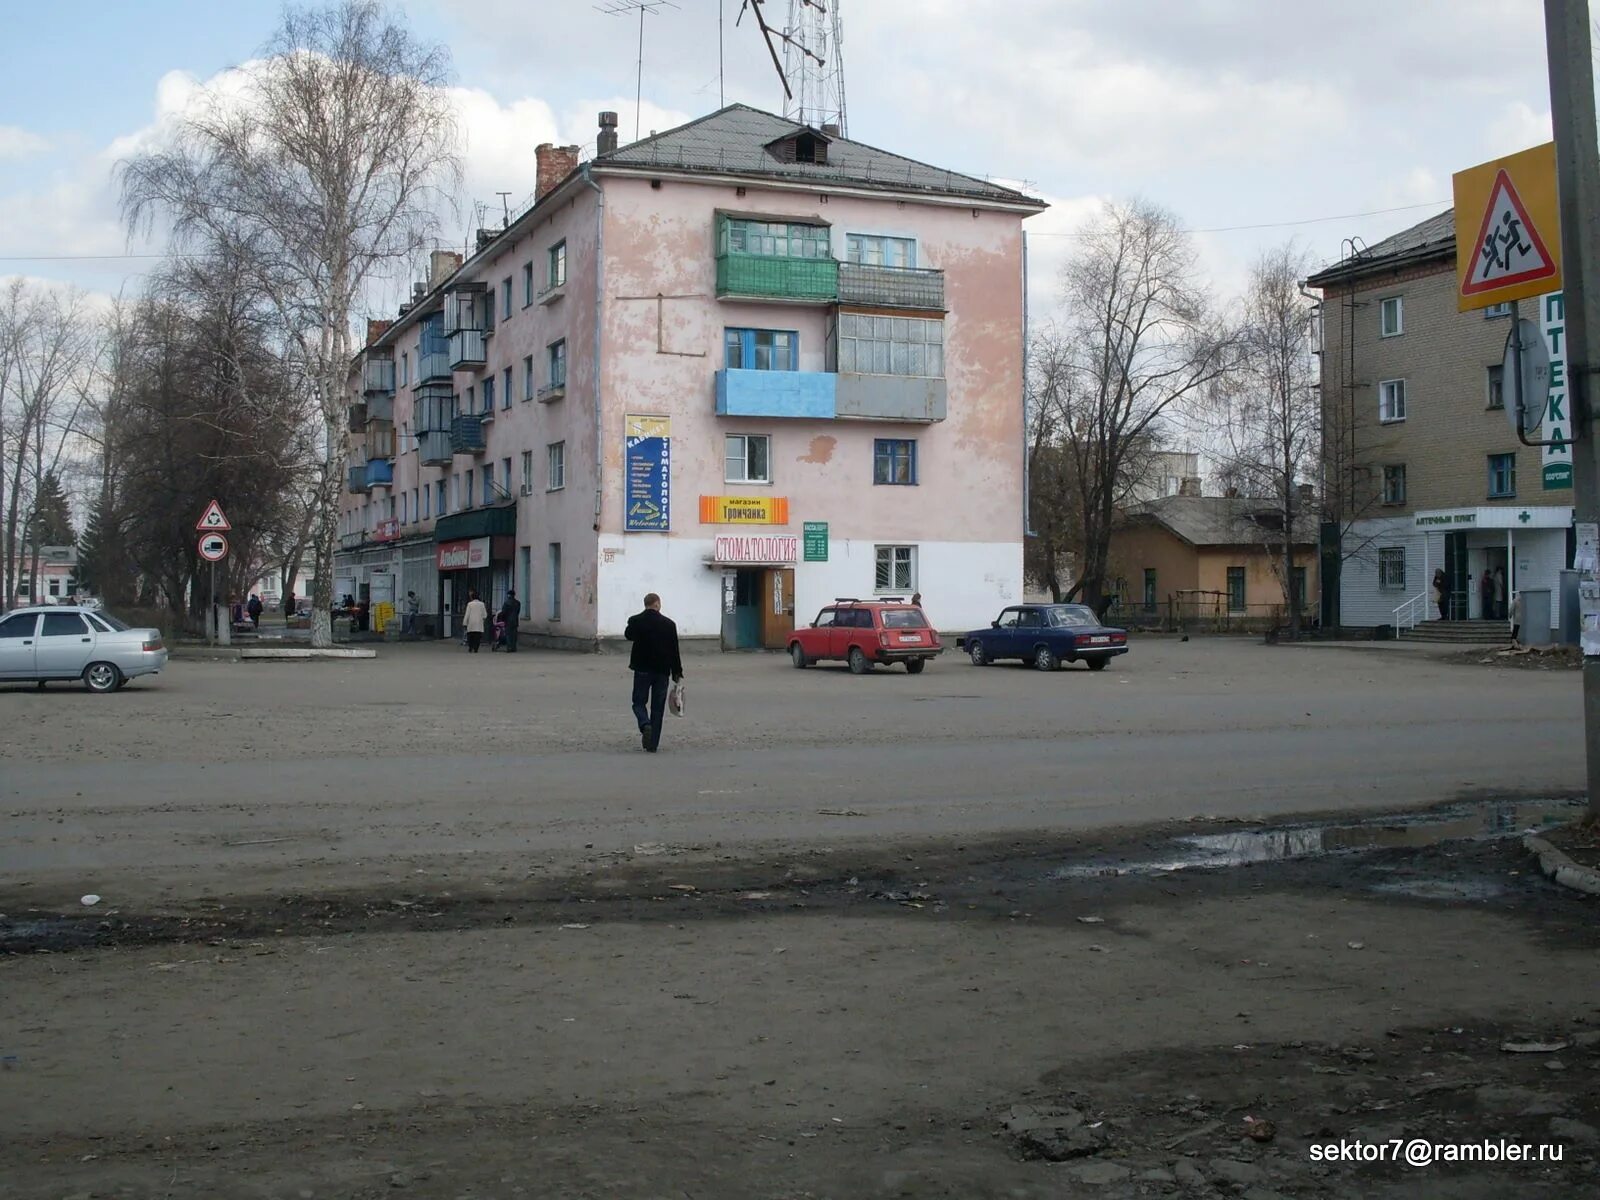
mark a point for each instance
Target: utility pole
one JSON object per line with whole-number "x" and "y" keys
{"x": 1572, "y": 111}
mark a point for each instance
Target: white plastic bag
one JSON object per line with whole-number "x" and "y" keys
{"x": 675, "y": 698}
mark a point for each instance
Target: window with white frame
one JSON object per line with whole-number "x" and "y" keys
{"x": 1495, "y": 379}
{"x": 556, "y": 269}
{"x": 747, "y": 458}
{"x": 557, "y": 355}
{"x": 896, "y": 569}
{"x": 505, "y": 476}
{"x": 527, "y": 284}
{"x": 505, "y": 298}
{"x": 875, "y": 251}
{"x": 1394, "y": 483}
{"x": 1392, "y": 400}
{"x": 527, "y": 472}
{"x": 861, "y": 343}
{"x": 1392, "y": 568}
{"x": 488, "y": 485}
{"x": 528, "y": 386}
{"x": 557, "y": 456}
{"x": 466, "y": 492}
{"x": 405, "y": 368}
{"x": 1391, "y": 316}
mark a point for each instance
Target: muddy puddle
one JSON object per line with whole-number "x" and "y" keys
{"x": 1463, "y": 822}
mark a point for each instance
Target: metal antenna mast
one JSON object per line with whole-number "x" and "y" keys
{"x": 813, "y": 63}
{"x": 812, "y": 70}
{"x": 621, "y": 8}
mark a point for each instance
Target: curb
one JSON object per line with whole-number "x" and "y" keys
{"x": 1561, "y": 868}
{"x": 304, "y": 654}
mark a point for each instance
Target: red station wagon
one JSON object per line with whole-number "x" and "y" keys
{"x": 865, "y": 633}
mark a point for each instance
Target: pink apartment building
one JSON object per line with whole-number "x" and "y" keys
{"x": 747, "y": 364}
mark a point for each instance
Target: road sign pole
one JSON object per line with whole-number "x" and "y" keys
{"x": 211, "y": 615}
{"x": 1572, "y": 109}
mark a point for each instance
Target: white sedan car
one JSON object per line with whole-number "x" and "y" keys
{"x": 76, "y": 643}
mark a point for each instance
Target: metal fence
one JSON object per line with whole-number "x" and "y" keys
{"x": 1200, "y": 612}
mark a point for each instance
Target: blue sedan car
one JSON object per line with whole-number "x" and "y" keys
{"x": 1046, "y": 635}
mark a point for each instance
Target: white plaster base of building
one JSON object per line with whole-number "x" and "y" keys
{"x": 963, "y": 584}
{"x": 1537, "y": 548}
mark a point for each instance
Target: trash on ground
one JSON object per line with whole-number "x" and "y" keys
{"x": 90, "y": 900}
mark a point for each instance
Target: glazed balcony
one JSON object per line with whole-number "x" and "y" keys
{"x": 380, "y": 473}
{"x": 433, "y": 368}
{"x": 357, "y": 414}
{"x": 380, "y": 407}
{"x": 433, "y": 449}
{"x": 466, "y": 435}
{"x": 468, "y": 349}
{"x": 764, "y": 277}
{"x": 357, "y": 479}
{"x": 378, "y": 375}
{"x": 891, "y": 287}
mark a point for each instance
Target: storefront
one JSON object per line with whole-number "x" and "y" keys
{"x": 757, "y": 589}
{"x": 473, "y": 552}
{"x": 1486, "y": 555}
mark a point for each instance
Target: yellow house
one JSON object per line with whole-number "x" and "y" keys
{"x": 1210, "y": 561}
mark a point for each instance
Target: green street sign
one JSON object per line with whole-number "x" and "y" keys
{"x": 815, "y": 537}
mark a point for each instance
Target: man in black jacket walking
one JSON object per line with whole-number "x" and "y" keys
{"x": 654, "y": 662}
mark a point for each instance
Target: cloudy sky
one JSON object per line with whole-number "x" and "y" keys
{"x": 1254, "y": 120}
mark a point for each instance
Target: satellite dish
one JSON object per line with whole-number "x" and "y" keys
{"x": 1525, "y": 376}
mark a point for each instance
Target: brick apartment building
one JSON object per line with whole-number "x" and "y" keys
{"x": 1422, "y": 470}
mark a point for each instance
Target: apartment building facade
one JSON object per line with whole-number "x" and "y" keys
{"x": 746, "y": 364}
{"x": 1422, "y": 469}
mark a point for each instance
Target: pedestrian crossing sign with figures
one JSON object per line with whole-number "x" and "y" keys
{"x": 1508, "y": 229}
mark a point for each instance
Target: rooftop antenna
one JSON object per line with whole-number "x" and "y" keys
{"x": 621, "y": 8}
{"x": 505, "y": 208}
{"x": 812, "y": 67}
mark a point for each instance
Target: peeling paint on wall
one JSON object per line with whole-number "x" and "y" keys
{"x": 821, "y": 450}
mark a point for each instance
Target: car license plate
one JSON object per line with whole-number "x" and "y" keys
{"x": 1099, "y": 641}
{"x": 911, "y": 637}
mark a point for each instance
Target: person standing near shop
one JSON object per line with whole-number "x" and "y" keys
{"x": 655, "y": 663}
{"x": 474, "y": 618}
{"x": 1516, "y": 618}
{"x": 253, "y": 607}
{"x": 408, "y": 623}
{"x": 511, "y": 613}
{"x": 1500, "y": 593}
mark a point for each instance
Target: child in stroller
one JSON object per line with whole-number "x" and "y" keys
{"x": 498, "y": 642}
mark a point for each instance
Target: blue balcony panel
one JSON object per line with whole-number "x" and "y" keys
{"x": 799, "y": 394}
{"x": 890, "y": 398}
{"x": 380, "y": 472}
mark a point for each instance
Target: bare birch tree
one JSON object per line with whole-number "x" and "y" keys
{"x": 1136, "y": 345}
{"x": 47, "y": 343}
{"x": 330, "y": 165}
{"x": 1269, "y": 412}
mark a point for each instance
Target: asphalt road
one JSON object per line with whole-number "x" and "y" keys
{"x": 257, "y": 778}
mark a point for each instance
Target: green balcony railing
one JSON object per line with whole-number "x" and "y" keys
{"x": 805, "y": 279}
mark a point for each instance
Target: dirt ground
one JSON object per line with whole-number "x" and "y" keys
{"x": 922, "y": 1004}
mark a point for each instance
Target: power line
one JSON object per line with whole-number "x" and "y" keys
{"x": 1032, "y": 233}
{"x": 1375, "y": 212}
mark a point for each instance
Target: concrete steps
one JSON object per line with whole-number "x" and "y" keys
{"x": 1465, "y": 633}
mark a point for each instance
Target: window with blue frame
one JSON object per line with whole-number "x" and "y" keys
{"x": 773, "y": 239}
{"x": 762, "y": 349}
{"x": 1502, "y": 476}
{"x": 894, "y": 460}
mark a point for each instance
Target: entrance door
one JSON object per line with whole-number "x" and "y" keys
{"x": 747, "y": 609}
{"x": 1455, "y": 576}
{"x": 777, "y": 607}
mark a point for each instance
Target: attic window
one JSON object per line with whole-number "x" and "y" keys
{"x": 802, "y": 147}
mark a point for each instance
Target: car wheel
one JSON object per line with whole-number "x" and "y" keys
{"x": 1098, "y": 664}
{"x": 1044, "y": 659}
{"x": 858, "y": 661}
{"x": 101, "y": 677}
{"x": 798, "y": 656}
{"x": 978, "y": 655}
{"x": 914, "y": 665}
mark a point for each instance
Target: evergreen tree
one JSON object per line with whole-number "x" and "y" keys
{"x": 102, "y": 562}
{"x": 52, "y": 520}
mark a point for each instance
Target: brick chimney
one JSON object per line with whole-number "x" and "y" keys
{"x": 1189, "y": 486}
{"x": 376, "y": 329}
{"x": 555, "y": 164}
{"x": 441, "y": 265}
{"x": 607, "y": 141}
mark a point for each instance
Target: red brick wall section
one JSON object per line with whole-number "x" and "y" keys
{"x": 555, "y": 164}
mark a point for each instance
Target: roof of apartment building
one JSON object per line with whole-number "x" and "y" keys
{"x": 1221, "y": 520}
{"x": 740, "y": 140}
{"x": 1432, "y": 239}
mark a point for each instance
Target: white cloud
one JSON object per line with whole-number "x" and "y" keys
{"x": 1518, "y": 126}
{"x": 16, "y": 142}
